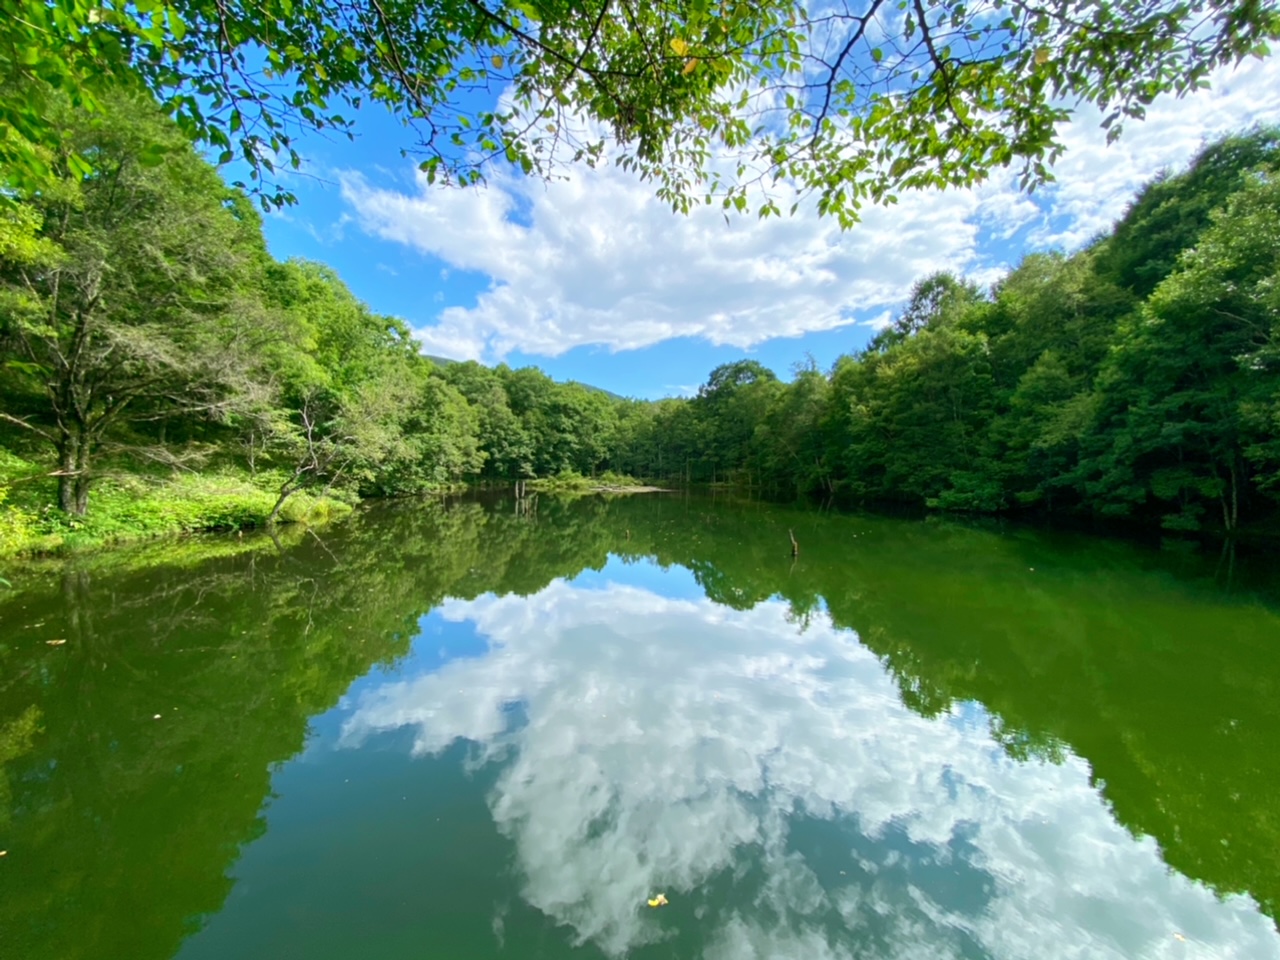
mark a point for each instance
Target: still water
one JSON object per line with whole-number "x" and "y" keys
{"x": 455, "y": 731}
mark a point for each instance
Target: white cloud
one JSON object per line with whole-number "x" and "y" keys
{"x": 1095, "y": 181}
{"x": 601, "y": 262}
{"x": 880, "y": 321}
{"x": 676, "y": 745}
{"x": 597, "y": 260}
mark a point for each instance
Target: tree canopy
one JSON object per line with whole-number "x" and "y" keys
{"x": 713, "y": 101}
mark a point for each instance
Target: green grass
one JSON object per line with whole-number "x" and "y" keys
{"x": 571, "y": 480}
{"x": 129, "y": 508}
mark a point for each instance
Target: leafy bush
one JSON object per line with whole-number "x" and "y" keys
{"x": 569, "y": 480}
{"x": 135, "y": 508}
{"x": 18, "y": 527}
{"x": 611, "y": 478}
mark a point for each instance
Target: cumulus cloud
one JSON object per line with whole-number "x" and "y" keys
{"x": 678, "y": 746}
{"x": 600, "y": 262}
{"x": 1096, "y": 181}
{"x": 597, "y": 260}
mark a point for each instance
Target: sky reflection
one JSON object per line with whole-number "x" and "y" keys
{"x": 767, "y": 777}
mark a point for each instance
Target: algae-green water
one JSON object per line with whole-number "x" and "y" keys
{"x": 464, "y": 731}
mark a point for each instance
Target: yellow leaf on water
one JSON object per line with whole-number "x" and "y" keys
{"x": 55, "y": 643}
{"x": 659, "y": 901}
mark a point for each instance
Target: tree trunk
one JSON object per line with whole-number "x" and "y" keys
{"x": 287, "y": 489}
{"x": 1235, "y": 494}
{"x": 66, "y": 481}
{"x": 82, "y": 495}
{"x": 73, "y": 479}
{"x": 274, "y": 515}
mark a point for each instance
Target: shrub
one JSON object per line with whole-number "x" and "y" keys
{"x": 19, "y": 528}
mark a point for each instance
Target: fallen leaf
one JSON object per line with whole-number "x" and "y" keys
{"x": 55, "y": 643}
{"x": 1178, "y": 936}
{"x": 156, "y": 717}
{"x": 4, "y": 853}
{"x": 659, "y": 901}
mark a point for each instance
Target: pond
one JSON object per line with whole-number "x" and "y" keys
{"x": 475, "y": 730}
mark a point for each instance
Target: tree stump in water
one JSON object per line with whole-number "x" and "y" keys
{"x": 795, "y": 547}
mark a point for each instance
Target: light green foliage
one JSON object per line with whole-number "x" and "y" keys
{"x": 854, "y": 104}
{"x": 917, "y": 412}
{"x": 129, "y": 508}
{"x": 530, "y": 426}
{"x": 570, "y": 481}
{"x": 935, "y": 302}
{"x": 443, "y": 441}
{"x": 126, "y": 310}
{"x": 504, "y": 442}
{"x": 17, "y": 526}
{"x": 21, "y": 526}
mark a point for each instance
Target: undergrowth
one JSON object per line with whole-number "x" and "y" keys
{"x": 572, "y": 480}
{"x": 138, "y": 507}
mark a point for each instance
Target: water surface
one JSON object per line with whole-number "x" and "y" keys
{"x": 443, "y": 731}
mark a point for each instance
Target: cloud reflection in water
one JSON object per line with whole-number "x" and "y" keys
{"x": 680, "y": 746}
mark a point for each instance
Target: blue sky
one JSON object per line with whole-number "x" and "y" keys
{"x": 592, "y": 279}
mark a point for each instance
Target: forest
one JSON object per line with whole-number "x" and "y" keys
{"x": 162, "y": 371}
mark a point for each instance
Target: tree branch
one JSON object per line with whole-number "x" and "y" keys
{"x": 34, "y": 429}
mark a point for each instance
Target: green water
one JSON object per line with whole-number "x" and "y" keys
{"x": 459, "y": 732}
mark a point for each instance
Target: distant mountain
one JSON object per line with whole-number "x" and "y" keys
{"x": 445, "y": 361}
{"x": 607, "y": 393}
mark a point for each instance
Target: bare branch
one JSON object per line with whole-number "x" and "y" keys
{"x": 17, "y": 421}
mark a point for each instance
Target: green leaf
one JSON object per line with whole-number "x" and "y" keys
{"x": 177, "y": 26}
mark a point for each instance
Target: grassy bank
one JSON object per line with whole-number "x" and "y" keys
{"x": 129, "y": 508}
{"x": 572, "y": 482}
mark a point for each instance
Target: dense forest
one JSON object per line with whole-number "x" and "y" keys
{"x": 154, "y": 352}
{"x": 1138, "y": 377}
